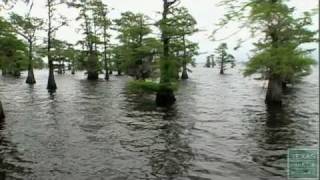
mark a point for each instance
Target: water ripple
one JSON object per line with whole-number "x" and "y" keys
{"x": 219, "y": 129}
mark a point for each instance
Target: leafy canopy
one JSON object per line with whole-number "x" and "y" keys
{"x": 278, "y": 52}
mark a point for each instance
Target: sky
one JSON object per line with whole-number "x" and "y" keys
{"x": 206, "y": 12}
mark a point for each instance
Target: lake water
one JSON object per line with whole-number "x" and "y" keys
{"x": 219, "y": 129}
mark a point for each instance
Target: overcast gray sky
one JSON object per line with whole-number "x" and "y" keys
{"x": 206, "y": 12}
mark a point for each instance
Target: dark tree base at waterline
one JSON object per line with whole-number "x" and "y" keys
{"x": 93, "y": 76}
{"x": 92, "y": 67}
{"x": 106, "y": 77}
{"x": 52, "y": 87}
{"x": 274, "y": 92}
{"x": 184, "y": 75}
{"x": 30, "y": 78}
{"x": 2, "y": 116}
{"x": 165, "y": 99}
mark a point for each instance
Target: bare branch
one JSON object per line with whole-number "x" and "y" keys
{"x": 58, "y": 27}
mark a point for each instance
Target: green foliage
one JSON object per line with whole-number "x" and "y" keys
{"x": 58, "y": 49}
{"x": 103, "y": 23}
{"x": 223, "y": 58}
{"x": 150, "y": 86}
{"x": 287, "y": 62}
{"x": 279, "y": 52}
{"x": 179, "y": 25}
{"x": 183, "y": 51}
{"x": 180, "y": 22}
{"x": 137, "y": 48}
{"x": 38, "y": 62}
{"x": 26, "y": 26}
{"x": 132, "y": 27}
{"x": 176, "y": 25}
{"x": 168, "y": 70}
{"x": 100, "y": 12}
{"x": 12, "y": 50}
{"x": 90, "y": 19}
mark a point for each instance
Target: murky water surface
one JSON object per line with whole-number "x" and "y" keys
{"x": 219, "y": 129}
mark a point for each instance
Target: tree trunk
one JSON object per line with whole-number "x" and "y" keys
{"x": 2, "y": 116}
{"x": 93, "y": 67}
{"x": 222, "y": 66}
{"x": 60, "y": 70}
{"x": 73, "y": 68}
{"x": 165, "y": 98}
{"x": 221, "y": 71}
{"x": 213, "y": 63}
{"x": 106, "y": 68}
{"x": 73, "y": 71}
{"x": 51, "y": 86}
{"x": 274, "y": 91}
{"x": 30, "y": 77}
{"x": 106, "y": 76}
{"x": 184, "y": 74}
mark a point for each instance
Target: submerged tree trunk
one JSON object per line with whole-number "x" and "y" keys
{"x": 30, "y": 77}
{"x": 60, "y": 71}
{"x": 73, "y": 71}
{"x": 222, "y": 66}
{"x": 274, "y": 91}
{"x": 106, "y": 68}
{"x": 106, "y": 76}
{"x": 73, "y": 68}
{"x": 165, "y": 97}
{"x": 2, "y": 116}
{"x": 184, "y": 74}
{"x": 93, "y": 67}
{"x": 51, "y": 86}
